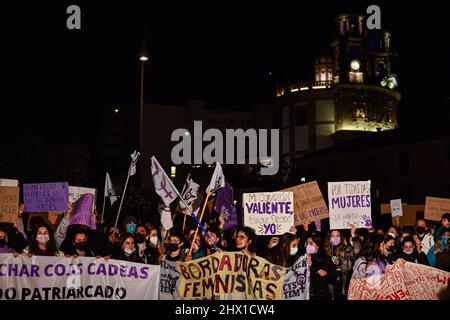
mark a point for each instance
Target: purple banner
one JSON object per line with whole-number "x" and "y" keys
{"x": 44, "y": 197}
{"x": 224, "y": 206}
{"x": 82, "y": 211}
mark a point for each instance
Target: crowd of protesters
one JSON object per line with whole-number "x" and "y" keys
{"x": 334, "y": 256}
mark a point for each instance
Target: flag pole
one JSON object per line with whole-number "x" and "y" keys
{"x": 184, "y": 202}
{"x": 103, "y": 208}
{"x": 121, "y": 200}
{"x": 182, "y": 191}
{"x": 201, "y": 217}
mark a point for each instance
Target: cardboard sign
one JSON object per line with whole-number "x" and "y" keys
{"x": 409, "y": 213}
{"x": 82, "y": 211}
{"x": 9, "y": 204}
{"x": 44, "y": 197}
{"x": 308, "y": 203}
{"x": 9, "y": 183}
{"x": 396, "y": 207}
{"x": 269, "y": 213}
{"x": 52, "y": 218}
{"x": 436, "y": 207}
{"x": 349, "y": 204}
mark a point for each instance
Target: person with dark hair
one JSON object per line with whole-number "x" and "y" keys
{"x": 438, "y": 249}
{"x": 322, "y": 270}
{"x": 79, "y": 244}
{"x": 128, "y": 250}
{"x": 270, "y": 252}
{"x": 287, "y": 251}
{"x": 4, "y": 248}
{"x": 424, "y": 235}
{"x": 42, "y": 243}
{"x": 245, "y": 237}
{"x": 371, "y": 260}
{"x": 130, "y": 224}
{"x": 411, "y": 252}
{"x": 445, "y": 225}
{"x": 175, "y": 246}
{"x": 390, "y": 251}
{"x": 216, "y": 236}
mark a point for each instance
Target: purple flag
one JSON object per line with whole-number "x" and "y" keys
{"x": 224, "y": 206}
{"x": 44, "y": 197}
{"x": 82, "y": 211}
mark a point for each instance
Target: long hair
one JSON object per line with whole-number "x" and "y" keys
{"x": 283, "y": 253}
{"x": 328, "y": 247}
{"x": 133, "y": 257}
{"x": 51, "y": 247}
{"x": 371, "y": 248}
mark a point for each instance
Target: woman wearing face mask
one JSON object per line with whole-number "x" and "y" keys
{"x": 334, "y": 247}
{"x": 130, "y": 224}
{"x": 287, "y": 253}
{"x": 149, "y": 254}
{"x": 79, "y": 245}
{"x": 390, "y": 249}
{"x": 42, "y": 243}
{"x": 175, "y": 247}
{"x": 439, "y": 247}
{"x": 129, "y": 250}
{"x": 411, "y": 252}
{"x": 322, "y": 270}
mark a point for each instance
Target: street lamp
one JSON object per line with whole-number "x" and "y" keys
{"x": 143, "y": 58}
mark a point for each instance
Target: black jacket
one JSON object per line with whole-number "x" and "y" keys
{"x": 414, "y": 257}
{"x": 319, "y": 284}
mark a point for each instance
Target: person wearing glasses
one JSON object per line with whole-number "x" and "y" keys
{"x": 412, "y": 252}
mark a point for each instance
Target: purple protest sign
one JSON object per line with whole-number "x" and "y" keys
{"x": 224, "y": 206}
{"x": 82, "y": 211}
{"x": 44, "y": 197}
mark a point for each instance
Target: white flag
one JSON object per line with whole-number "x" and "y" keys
{"x": 217, "y": 180}
{"x": 163, "y": 185}
{"x": 134, "y": 158}
{"x": 190, "y": 193}
{"x": 166, "y": 218}
{"x": 109, "y": 190}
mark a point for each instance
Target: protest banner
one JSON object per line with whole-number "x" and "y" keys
{"x": 308, "y": 203}
{"x": 76, "y": 192}
{"x": 296, "y": 281}
{"x": 44, "y": 197}
{"x": 82, "y": 278}
{"x": 269, "y": 213}
{"x": 408, "y": 281}
{"x": 169, "y": 281}
{"x": 82, "y": 211}
{"x": 9, "y": 183}
{"x": 349, "y": 204}
{"x": 9, "y": 204}
{"x": 396, "y": 208}
{"x": 225, "y": 207}
{"x": 436, "y": 207}
{"x": 230, "y": 275}
{"x": 410, "y": 212}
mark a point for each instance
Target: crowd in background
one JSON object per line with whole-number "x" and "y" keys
{"x": 334, "y": 256}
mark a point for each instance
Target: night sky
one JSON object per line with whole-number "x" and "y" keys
{"x": 56, "y": 82}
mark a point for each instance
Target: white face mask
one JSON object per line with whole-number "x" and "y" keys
{"x": 293, "y": 251}
{"x": 154, "y": 240}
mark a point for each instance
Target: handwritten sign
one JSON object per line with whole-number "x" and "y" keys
{"x": 9, "y": 204}
{"x": 436, "y": 207}
{"x": 349, "y": 204}
{"x": 308, "y": 203}
{"x": 44, "y": 197}
{"x": 9, "y": 183}
{"x": 396, "y": 207}
{"x": 410, "y": 281}
{"x": 409, "y": 213}
{"x": 269, "y": 213}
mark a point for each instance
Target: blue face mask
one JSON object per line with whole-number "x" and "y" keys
{"x": 129, "y": 251}
{"x": 131, "y": 228}
{"x": 445, "y": 239}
